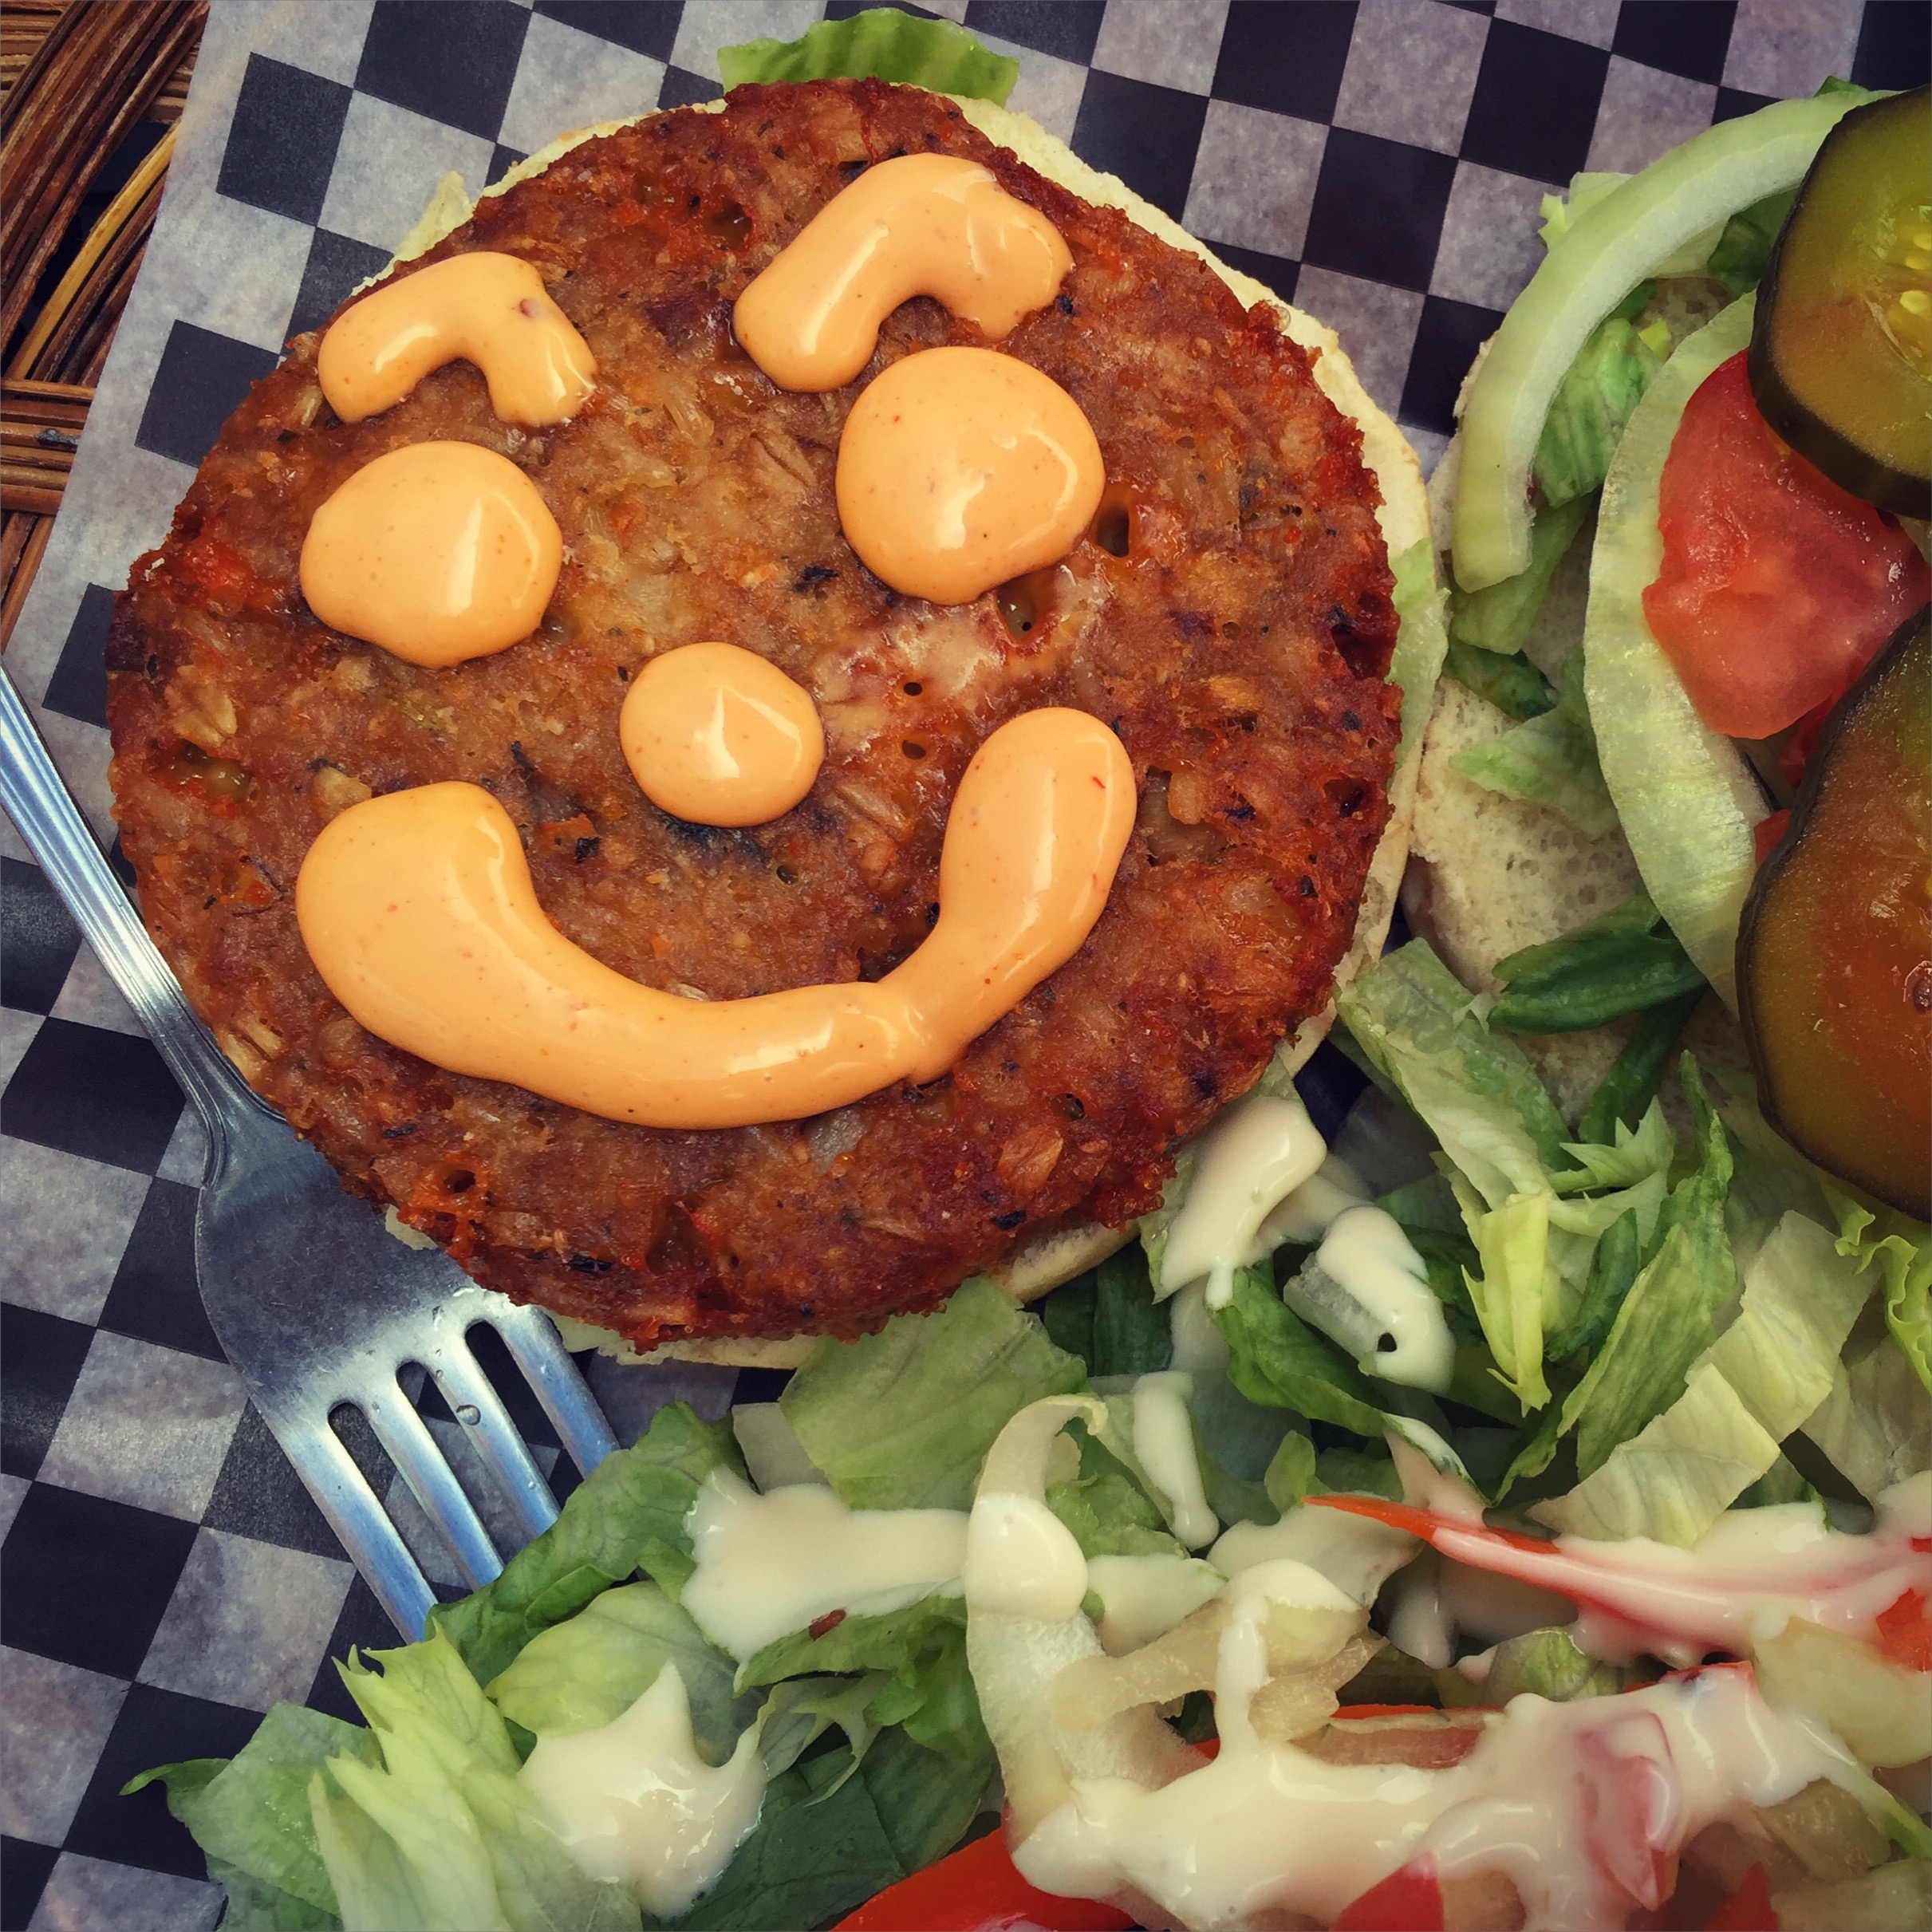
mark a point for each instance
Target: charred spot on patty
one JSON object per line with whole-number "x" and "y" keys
{"x": 1237, "y": 645}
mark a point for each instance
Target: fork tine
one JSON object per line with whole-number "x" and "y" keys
{"x": 374, "y": 1545}
{"x": 421, "y": 1462}
{"x": 538, "y": 1350}
{"x": 492, "y": 1434}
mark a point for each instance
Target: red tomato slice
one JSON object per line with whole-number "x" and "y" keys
{"x": 1409, "y": 1900}
{"x": 1749, "y": 1908}
{"x": 1767, "y": 833}
{"x": 1777, "y": 587}
{"x": 1905, "y": 1631}
{"x": 977, "y": 1889}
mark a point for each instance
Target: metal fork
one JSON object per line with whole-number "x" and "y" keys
{"x": 316, "y": 1304}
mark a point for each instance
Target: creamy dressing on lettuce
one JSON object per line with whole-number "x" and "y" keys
{"x": 769, "y": 1565}
{"x": 1164, "y": 1441}
{"x": 634, "y": 1803}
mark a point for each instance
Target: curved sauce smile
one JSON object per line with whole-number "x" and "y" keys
{"x": 418, "y": 911}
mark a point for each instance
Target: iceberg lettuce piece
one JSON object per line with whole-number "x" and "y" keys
{"x": 1875, "y": 1425}
{"x": 444, "y": 1831}
{"x": 1685, "y": 797}
{"x": 1751, "y": 1387}
{"x": 1623, "y": 962}
{"x": 1592, "y": 404}
{"x": 1420, "y": 638}
{"x": 1498, "y": 619}
{"x": 902, "y": 1419}
{"x": 627, "y": 1515}
{"x": 1549, "y": 759}
{"x": 585, "y": 1673}
{"x": 884, "y": 43}
{"x": 1902, "y": 1250}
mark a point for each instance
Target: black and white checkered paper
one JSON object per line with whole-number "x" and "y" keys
{"x": 166, "y": 1578}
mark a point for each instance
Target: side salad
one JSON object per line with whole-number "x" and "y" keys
{"x": 1445, "y": 1517}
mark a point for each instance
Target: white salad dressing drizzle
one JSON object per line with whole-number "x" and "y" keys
{"x": 1357, "y": 1554}
{"x": 1021, "y": 1559}
{"x": 1269, "y": 1828}
{"x": 768, "y": 1565}
{"x": 634, "y": 1803}
{"x": 1259, "y": 1149}
{"x": 1367, "y": 1288}
{"x": 1145, "y": 1597}
{"x": 1164, "y": 1441}
{"x": 1304, "y": 1216}
{"x": 1200, "y": 1347}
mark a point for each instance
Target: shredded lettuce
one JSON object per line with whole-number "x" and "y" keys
{"x": 1750, "y": 1387}
{"x": 1511, "y": 684}
{"x": 1592, "y": 404}
{"x": 1276, "y": 1359}
{"x": 1743, "y": 251}
{"x": 1420, "y": 639}
{"x": 902, "y": 1419}
{"x": 1549, "y": 759}
{"x": 1875, "y": 1425}
{"x": 1499, "y": 618}
{"x": 1903, "y": 1251}
{"x": 1479, "y": 1095}
{"x": 1109, "y": 1318}
{"x": 1621, "y": 963}
{"x": 442, "y": 1831}
{"x": 628, "y": 1515}
{"x": 587, "y": 1672}
{"x": 881, "y": 42}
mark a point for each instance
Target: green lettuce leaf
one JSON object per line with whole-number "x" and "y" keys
{"x": 902, "y": 1419}
{"x": 1875, "y": 1425}
{"x": 1547, "y": 1664}
{"x": 802, "y": 1709}
{"x": 583, "y": 1673}
{"x": 1276, "y": 1359}
{"x": 1592, "y": 404}
{"x": 1475, "y": 1091}
{"x": 627, "y": 1515}
{"x": 1497, "y": 620}
{"x": 1744, "y": 250}
{"x": 881, "y": 42}
{"x": 254, "y": 1905}
{"x": 1511, "y": 683}
{"x": 1550, "y": 760}
{"x": 444, "y": 1832}
{"x": 1420, "y": 638}
{"x": 1620, "y": 963}
{"x": 1757, "y": 1383}
{"x": 1110, "y": 1319}
{"x": 1107, "y": 1506}
{"x": 1638, "y": 1071}
{"x": 250, "y": 1811}
{"x": 1669, "y": 1317}
{"x": 1902, "y": 1252}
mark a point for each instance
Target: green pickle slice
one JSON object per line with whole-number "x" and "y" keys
{"x": 1834, "y": 952}
{"x": 1841, "y": 359}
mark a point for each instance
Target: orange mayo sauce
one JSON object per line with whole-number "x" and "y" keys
{"x": 490, "y": 309}
{"x": 439, "y": 552}
{"x": 922, "y": 224}
{"x": 418, "y": 911}
{"x": 961, "y": 468}
{"x": 719, "y": 735}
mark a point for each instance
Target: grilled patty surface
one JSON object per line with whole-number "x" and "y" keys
{"x": 1228, "y": 616}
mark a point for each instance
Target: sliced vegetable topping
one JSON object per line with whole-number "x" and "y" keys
{"x": 1835, "y": 956}
{"x": 1777, "y": 587}
{"x": 1843, "y": 353}
{"x": 1685, "y": 796}
{"x": 1610, "y": 246}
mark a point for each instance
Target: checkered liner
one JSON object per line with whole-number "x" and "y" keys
{"x": 166, "y": 1577}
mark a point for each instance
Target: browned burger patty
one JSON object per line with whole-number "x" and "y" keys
{"x": 1230, "y": 617}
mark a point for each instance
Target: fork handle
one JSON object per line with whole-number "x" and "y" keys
{"x": 40, "y": 807}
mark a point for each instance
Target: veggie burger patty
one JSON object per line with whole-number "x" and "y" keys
{"x": 1228, "y": 615}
